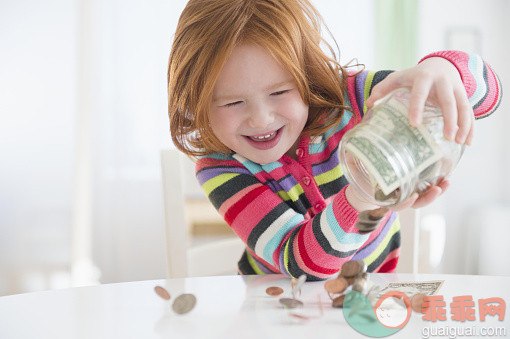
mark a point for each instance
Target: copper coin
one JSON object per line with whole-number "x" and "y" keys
{"x": 184, "y": 303}
{"x": 417, "y": 302}
{"x": 336, "y": 285}
{"x": 350, "y": 269}
{"x": 378, "y": 213}
{"x": 350, "y": 280}
{"x": 290, "y": 302}
{"x": 338, "y": 302}
{"x": 274, "y": 291}
{"x": 162, "y": 292}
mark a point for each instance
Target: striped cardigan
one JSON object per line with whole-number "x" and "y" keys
{"x": 293, "y": 215}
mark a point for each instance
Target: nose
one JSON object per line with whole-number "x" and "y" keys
{"x": 260, "y": 116}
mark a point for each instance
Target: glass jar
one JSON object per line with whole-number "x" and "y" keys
{"x": 386, "y": 160}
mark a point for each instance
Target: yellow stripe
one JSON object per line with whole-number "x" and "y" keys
{"x": 286, "y": 256}
{"x": 375, "y": 254}
{"x": 211, "y": 184}
{"x": 253, "y": 264}
{"x": 328, "y": 176}
{"x": 295, "y": 191}
{"x": 368, "y": 84}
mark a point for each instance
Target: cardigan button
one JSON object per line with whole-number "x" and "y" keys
{"x": 306, "y": 181}
{"x": 300, "y": 152}
{"x": 319, "y": 207}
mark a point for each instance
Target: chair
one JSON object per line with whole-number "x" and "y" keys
{"x": 185, "y": 205}
{"x": 191, "y": 255}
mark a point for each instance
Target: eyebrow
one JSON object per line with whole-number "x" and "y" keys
{"x": 229, "y": 97}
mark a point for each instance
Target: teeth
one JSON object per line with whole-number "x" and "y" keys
{"x": 263, "y": 137}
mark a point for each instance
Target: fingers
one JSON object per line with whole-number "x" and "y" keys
{"x": 429, "y": 196}
{"x": 471, "y": 134}
{"x": 419, "y": 94}
{"x": 447, "y": 103}
{"x": 465, "y": 116}
{"x": 383, "y": 88}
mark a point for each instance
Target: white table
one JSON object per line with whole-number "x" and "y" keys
{"x": 227, "y": 307}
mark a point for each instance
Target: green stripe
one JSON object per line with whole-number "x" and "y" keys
{"x": 253, "y": 264}
{"x": 328, "y": 176}
{"x": 368, "y": 86}
{"x": 377, "y": 252}
{"x": 211, "y": 184}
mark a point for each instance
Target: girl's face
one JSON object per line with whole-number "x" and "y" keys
{"x": 257, "y": 110}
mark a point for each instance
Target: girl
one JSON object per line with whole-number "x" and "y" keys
{"x": 253, "y": 96}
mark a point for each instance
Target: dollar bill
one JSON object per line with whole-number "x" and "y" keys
{"x": 413, "y": 287}
{"x": 415, "y": 149}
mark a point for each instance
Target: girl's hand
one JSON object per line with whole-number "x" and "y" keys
{"x": 415, "y": 201}
{"x": 438, "y": 79}
{"x": 425, "y": 198}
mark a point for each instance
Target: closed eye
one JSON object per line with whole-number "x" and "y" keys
{"x": 280, "y": 92}
{"x": 232, "y": 104}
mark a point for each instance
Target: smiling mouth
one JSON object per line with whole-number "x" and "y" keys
{"x": 261, "y": 138}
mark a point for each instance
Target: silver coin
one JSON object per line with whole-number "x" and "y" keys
{"x": 365, "y": 226}
{"x": 297, "y": 284}
{"x": 291, "y": 302}
{"x": 184, "y": 303}
{"x": 363, "y": 269}
{"x": 359, "y": 284}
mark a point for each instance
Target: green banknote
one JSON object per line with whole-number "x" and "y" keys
{"x": 405, "y": 151}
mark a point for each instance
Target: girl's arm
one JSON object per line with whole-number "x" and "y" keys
{"x": 276, "y": 234}
{"x": 464, "y": 86}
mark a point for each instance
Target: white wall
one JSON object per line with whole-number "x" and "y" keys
{"x": 481, "y": 178}
{"x": 46, "y": 74}
{"x": 37, "y": 107}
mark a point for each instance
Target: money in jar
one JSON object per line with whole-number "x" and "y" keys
{"x": 386, "y": 159}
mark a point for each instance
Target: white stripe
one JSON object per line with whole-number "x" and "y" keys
{"x": 271, "y": 231}
{"x": 333, "y": 242}
{"x": 476, "y": 67}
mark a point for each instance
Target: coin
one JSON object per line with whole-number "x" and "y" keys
{"x": 274, "y": 291}
{"x": 378, "y": 213}
{"x": 338, "y": 302}
{"x": 366, "y": 227}
{"x": 360, "y": 282}
{"x": 350, "y": 269}
{"x": 290, "y": 302}
{"x": 363, "y": 267}
{"x": 350, "y": 280}
{"x": 184, "y": 303}
{"x": 336, "y": 285}
{"x": 296, "y": 285}
{"x": 417, "y": 302}
{"x": 364, "y": 218}
{"x": 162, "y": 292}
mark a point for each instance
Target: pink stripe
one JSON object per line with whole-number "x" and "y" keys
{"x": 252, "y": 213}
{"x": 324, "y": 260}
{"x": 300, "y": 262}
{"x": 235, "y": 198}
{"x": 392, "y": 255}
{"x": 351, "y": 90}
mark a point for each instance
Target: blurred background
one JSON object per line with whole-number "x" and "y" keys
{"x": 84, "y": 117}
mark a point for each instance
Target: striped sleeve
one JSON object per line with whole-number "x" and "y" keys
{"x": 283, "y": 240}
{"x": 482, "y": 84}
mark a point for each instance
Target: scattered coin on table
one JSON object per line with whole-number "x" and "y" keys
{"x": 162, "y": 292}
{"x": 336, "y": 285}
{"x": 417, "y": 302}
{"x": 296, "y": 285}
{"x": 291, "y": 302}
{"x": 338, "y": 302}
{"x": 274, "y": 291}
{"x": 184, "y": 303}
